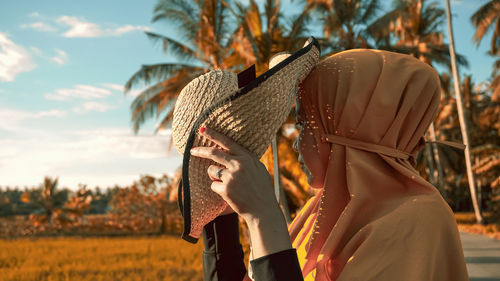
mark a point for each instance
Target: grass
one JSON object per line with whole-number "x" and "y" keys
{"x": 125, "y": 258}
{"x": 79, "y": 259}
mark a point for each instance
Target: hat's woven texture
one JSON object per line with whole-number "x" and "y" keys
{"x": 251, "y": 120}
{"x": 198, "y": 95}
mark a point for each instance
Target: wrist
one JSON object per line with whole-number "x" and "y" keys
{"x": 274, "y": 218}
{"x": 270, "y": 215}
{"x": 268, "y": 234}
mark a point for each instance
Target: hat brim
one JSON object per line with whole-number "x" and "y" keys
{"x": 312, "y": 49}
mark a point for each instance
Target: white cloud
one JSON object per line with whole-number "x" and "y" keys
{"x": 164, "y": 132}
{"x": 104, "y": 157}
{"x": 61, "y": 57}
{"x": 50, "y": 113}
{"x": 128, "y": 28}
{"x": 93, "y": 106}
{"x": 14, "y": 59}
{"x": 14, "y": 115}
{"x": 37, "y": 51}
{"x": 39, "y": 26}
{"x": 34, "y": 15}
{"x": 135, "y": 93}
{"x": 112, "y": 86}
{"x": 12, "y": 119}
{"x": 121, "y": 89}
{"x": 80, "y": 92}
{"x": 79, "y": 28}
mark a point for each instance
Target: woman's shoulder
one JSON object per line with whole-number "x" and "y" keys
{"x": 423, "y": 214}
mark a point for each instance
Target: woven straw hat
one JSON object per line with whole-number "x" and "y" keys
{"x": 249, "y": 110}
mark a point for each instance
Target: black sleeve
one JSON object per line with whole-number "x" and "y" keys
{"x": 223, "y": 254}
{"x": 279, "y": 266}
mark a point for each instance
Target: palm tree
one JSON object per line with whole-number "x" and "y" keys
{"x": 345, "y": 22}
{"x": 481, "y": 114}
{"x": 443, "y": 154}
{"x": 204, "y": 27}
{"x": 48, "y": 200}
{"x": 463, "y": 122}
{"x": 261, "y": 34}
{"x": 414, "y": 27}
{"x": 483, "y": 19}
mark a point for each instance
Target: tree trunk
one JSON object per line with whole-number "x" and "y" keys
{"x": 461, "y": 118}
{"x": 440, "y": 175}
{"x": 430, "y": 160}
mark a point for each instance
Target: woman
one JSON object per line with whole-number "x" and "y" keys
{"x": 362, "y": 115}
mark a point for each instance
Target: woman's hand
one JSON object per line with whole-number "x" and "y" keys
{"x": 244, "y": 183}
{"x": 240, "y": 178}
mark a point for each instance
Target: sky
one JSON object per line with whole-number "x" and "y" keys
{"x": 63, "y": 112}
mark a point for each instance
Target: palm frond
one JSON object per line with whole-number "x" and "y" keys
{"x": 495, "y": 82}
{"x": 487, "y": 148}
{"x": 179, "y": 12}
{"x": 436, "y": 53}
{"x": 253, "y": 20}
{"x": 152, "y": 101}
{"x": 495, "y": 38}
{"x": 298, "y": 30}
{"x": 272, "y": 15}
{"x": 176, "y": 48}
{"x": 483, "y": 18}
{"x": 433, "y": 18}
{"x": 155, "y": 72}
{"x": 381, "y": 28}
{"x": 370, "y": 11}
{"x": 167, "y": 119}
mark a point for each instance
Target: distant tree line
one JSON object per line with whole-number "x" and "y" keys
{"x": 12, "y": 204}
{"x": 147, "y": 206}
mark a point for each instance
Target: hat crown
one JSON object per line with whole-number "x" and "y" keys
{"x": 196, "y": 97}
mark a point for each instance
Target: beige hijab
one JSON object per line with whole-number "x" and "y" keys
{"x": 375, "y": 218}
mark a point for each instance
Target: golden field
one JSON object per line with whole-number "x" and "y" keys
{"x": 79, "y": 259}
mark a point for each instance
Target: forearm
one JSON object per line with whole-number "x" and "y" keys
{"x": 268, "y": 234}
{"x": 273, "y": 257}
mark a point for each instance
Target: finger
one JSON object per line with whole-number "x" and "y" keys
{"x": 223, "y": 141}
{"x": 219, "y": 188}
{"x": 214, "y": 154}
{"x": 212, "y": 172}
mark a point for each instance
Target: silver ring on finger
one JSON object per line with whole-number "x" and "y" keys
{"x": 218, "y": 175}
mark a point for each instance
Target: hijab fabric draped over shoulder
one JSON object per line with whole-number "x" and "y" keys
{"x": 375, "y": 218}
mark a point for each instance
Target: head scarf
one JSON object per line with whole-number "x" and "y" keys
{"x": 375, "y": 218}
